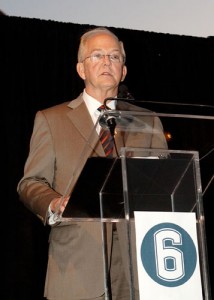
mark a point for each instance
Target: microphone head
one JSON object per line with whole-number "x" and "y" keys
{"x": 123, "y": 92}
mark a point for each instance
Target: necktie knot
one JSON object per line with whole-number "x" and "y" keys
{"x": 101, "y": 108}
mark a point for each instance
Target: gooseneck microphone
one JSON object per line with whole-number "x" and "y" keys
{"x": 109, "y": 121}
{"x": 123, "y": 93}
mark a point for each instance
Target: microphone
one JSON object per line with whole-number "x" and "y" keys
{"x": 110, "y": 121}
{"x": 124, "y": 93}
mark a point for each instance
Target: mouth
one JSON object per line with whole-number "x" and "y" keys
{"x": 106, "y": 74}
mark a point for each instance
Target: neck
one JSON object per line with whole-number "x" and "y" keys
{"x": 101, "y": 95}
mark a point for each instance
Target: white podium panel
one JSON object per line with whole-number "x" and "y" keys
{"x": 167, "y": 256}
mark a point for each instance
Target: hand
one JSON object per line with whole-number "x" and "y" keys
{"x": 59, "y": 204}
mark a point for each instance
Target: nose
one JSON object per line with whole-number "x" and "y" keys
{"x": 107, "y": 59}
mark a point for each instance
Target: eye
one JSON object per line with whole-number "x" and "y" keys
{"x": 97, "y": 56}
{"x": 115, "y": 57}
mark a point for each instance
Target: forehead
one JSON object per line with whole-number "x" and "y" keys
{"x": 102, "y": 41}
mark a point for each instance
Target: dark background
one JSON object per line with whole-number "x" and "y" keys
{"x": 38, "y": 70}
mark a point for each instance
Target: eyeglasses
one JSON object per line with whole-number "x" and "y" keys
{"x": 98, "y": 57}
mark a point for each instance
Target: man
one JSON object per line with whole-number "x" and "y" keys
{"x": 75, "y": 262}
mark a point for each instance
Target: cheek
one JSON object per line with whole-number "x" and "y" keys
{"x": 119, "y": 75}
{"x": 119, "y": 69}
{"x": 91, "y": 72}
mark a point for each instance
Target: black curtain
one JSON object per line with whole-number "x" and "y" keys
{"x": 38, "y": 70}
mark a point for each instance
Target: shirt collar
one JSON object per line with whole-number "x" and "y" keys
{"x": 93, "y": 104}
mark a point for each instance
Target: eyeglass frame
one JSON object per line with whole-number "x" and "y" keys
{"x": 99, "y": 57}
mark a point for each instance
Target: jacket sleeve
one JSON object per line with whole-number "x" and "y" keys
{"x": 36, "y": 186}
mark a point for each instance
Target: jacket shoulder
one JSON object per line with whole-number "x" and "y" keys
{"x": 62, "y": 108}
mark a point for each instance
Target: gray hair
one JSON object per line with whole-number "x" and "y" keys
{"x": 86, "y": 36}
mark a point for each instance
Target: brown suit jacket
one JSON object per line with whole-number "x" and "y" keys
{"x": 75, "y": 263}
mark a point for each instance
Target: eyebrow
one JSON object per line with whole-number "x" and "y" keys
{"x": 99, "y": 49}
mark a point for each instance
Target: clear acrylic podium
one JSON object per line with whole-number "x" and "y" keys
{"x": 136, "y": 179}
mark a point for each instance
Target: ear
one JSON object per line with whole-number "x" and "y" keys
{"x": 124, "y": 72}
{"x": 80, "y": 70}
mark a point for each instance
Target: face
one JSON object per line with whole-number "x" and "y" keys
{"x": 103, "y": 73}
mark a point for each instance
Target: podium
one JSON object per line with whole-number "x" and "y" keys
{"x": 157, "y": 182}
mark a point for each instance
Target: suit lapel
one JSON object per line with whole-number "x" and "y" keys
{"x": 81, "y": 119}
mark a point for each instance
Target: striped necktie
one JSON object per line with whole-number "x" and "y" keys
{"x": 106, "y": 139}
